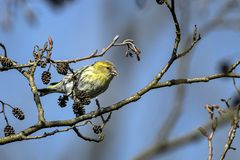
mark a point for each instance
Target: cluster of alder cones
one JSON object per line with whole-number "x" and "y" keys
{"x": 17, "y": 113}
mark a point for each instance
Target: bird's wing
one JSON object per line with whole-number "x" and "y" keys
{"x": 77, "y": 72}
{"x": 67, "y": 78}
{"x": 80, "y": 70}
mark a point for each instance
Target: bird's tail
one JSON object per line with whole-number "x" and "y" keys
{"x": 45, "y": 91}
{"x": 50, "y": 89}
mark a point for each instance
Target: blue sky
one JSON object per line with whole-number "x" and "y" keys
{"x": 80, "y": 28}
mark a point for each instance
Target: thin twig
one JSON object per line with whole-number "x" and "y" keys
{"x": 210, "y": 147}
{"x": 87, "y": 138}
{"x": 3, "y": 111}
{"x": 231, "y": 136}
{"x": 194, "y": 80}
{"x": 214, "y": 122}
{"x": 206, "y": 28}
{"x": 236, "y": 87}
{"x": 177, "y": 27}
{"x": 92, "y": 55}
{"x": 102, "y": 117}
{"x": 41, "y": 116}
{"x": 231, "y": 133}
{"x": 152, "y": 85}
{"x": 98, "y": 106}
{"x": 16, "y": 66}
{"x": 177, "y": 107}
{"x": 95, "y": 54}
{"x": 116, "y": 106}
{"x": 46, "y": 134}
{"x": 234, "y": 66}
{"x": 4, "y": 49}
{"x": 210, "y": 137}
{"x": 195, "y": 39}
{"x": 179, "y": 142}
{"x": 176, "y": 110}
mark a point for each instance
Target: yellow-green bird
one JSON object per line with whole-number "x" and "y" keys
{"x": 93, "y": 79}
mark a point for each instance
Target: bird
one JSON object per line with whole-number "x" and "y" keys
{"x": 93, "y": 79}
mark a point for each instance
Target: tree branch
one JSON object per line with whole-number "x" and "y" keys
{"x": 231, "y": 134}
{"x": 101, "y": 111}
{"x": 46, "y": 134}
{"x": 87, "y": 138}
{"x": 95, "y": 54}
{"x": 128, "y": 42}
{"x": 195, "y": 80}
{"x": 218, "y": 20}
{"x": 171, "y": 145}
{"x": 44, "y": 124}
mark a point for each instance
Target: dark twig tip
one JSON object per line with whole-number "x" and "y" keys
{"x": 116, "y": 38}
{"x": 4, "y": 49}
{"x": 161, "y": 2}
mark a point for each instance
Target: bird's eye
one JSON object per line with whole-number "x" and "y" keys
{"x": 108, "y": 68}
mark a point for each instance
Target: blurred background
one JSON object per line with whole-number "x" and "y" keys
{"x": 77, "y": 28}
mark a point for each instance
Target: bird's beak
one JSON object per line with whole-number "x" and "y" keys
{"x": 114, "y": 72}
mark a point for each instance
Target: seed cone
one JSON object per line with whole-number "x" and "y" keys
{"x": 46, "y": 77}
{"x": 6, "y": 62}
{"x": 18, "y": 113}
{"x": 78, "y": 109}
{"x": 8, "y": 130}
{"x": 62, "y": 68}
{"x": 97, "y": 129}
{"x": 62, "y": 101}
{"x": 82, "y": 97}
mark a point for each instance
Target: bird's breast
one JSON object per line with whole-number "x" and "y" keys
{"x": 93, "y": 84}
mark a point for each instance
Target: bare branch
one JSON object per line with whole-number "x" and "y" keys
{"x": 102, "y": 117}
{"x": 3, "y": 111}
{"x": 98, "y": 106}
{"x": 194, "y": 136}
{"x": 46, "y": 134}
{"x": 116, "y": 106}
{"x": 95, "y": 54}
{"x": 43, "y": 124}
{"x": 87, "y": 138}
{"x": 206, "y": 28}
{"x": 16, "y": 66}
{"x": 128, "y": 42}
{"x": 231, "y": 134}
{"x": 71, "y": 123}
{"x": 234, "y": 66}
{"x": 194, "y": 80}
{"x": 236, "y": 87}
{"x": 214, "y": 121}
{"x": 177, "y": 27}
{"x": 41, "y": 118}
{"x": 4, "y": 49}
{"x": 195, "y": 39}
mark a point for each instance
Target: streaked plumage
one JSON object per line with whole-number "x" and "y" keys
{"x": 93, "y": 79}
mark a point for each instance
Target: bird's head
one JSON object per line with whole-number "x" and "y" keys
{"x": 106, "y": 67}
